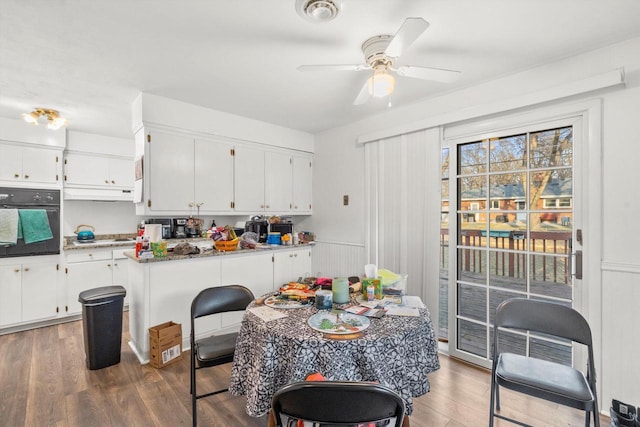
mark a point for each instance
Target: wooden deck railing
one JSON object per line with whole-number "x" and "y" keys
{"x": 549, "y": 261}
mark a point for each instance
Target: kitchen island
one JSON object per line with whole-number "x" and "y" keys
{"x": 161, "y": 289}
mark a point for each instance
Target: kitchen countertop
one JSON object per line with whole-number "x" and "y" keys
{"x": 101, "y": 241}
{"x": 212, "y": 252}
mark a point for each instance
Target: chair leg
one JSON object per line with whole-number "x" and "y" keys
{"x": 493, "y": 391}
{"x": 194, "y": 409}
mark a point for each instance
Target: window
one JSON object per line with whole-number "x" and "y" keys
{"x": 495, "y": 204}
{"x": 564, "y": 202}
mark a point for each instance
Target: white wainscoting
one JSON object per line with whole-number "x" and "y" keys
{"x": 336, "y": 259}
{"x": 620, "y": 376}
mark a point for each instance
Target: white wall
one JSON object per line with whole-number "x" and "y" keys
{"x": 339, "y": 169}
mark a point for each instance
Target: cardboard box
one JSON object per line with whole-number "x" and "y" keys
{"x": 165, "y": 344}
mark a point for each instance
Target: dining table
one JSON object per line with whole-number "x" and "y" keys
{"x": 278, "y": 346}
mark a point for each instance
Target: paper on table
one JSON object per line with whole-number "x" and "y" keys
{"x": 412, "y": 301}
{"x": 398, "y": 310}
{"x": 267, "y": 313}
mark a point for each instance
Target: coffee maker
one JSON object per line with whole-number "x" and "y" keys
{"x": 166, "y": 223}
{"x": 259, "y": 225}
{"x": 179, "y": 228}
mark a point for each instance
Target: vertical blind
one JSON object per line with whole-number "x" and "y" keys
{"x": 403, "y": 209}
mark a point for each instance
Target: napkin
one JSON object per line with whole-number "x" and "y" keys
{"x": 267, "y": 313}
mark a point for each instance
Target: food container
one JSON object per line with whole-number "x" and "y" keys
{"x": 274, "y": 239}
{"x": 226, "y": 245}
{"x": 159, "y": 249}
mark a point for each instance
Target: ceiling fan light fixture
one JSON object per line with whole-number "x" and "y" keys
{"x": 54, "y": 119}
{"x": 381, "y": 84}
{"x": 318, "y": 10}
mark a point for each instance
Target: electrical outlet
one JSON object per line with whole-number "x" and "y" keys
{"x": 345, "y": 200}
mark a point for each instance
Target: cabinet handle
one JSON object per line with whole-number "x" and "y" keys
{"x": 106, "y": 181}
{"x": 26, "y": 269}
{"x": 113, "y": 182}
{"x": 295, "y": 255}
{"x": 267, "y": 206}
{"x": 90, "y": 254}
{"x": 16, "y": 175}
{"x": 191, "y": 204}
{"x": 17, "y": 270}
{"x": 26, "y": 177}
{"x": 109, "y": 265}
{"x": 295, "y": 207}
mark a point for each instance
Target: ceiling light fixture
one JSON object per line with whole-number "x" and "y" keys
{"x": 381, "y": 84}
{"x": 55, "y": 121}
{"x": 318, "y": 10}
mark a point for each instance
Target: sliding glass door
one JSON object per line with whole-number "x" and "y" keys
{"x": 508, "y": 227}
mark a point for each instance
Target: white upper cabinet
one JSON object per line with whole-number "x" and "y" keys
{"x": 187, "y": 175}
{"x": 249, "y": 179}
{"x": 213, "y": 176}
{"x": 302, "y": 184}
{"x": 168, "y": 169}
{"x": 25, "y": 164}
{"x": 92, "y": 170}
{"x": 278, "y": 186}
{"x": 195, "y": 175}
{"x": 98, "y": 167}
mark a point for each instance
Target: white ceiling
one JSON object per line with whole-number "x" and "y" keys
{"x": 89, "y": 59}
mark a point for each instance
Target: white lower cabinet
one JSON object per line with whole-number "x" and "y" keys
{"x": 120, "y": 270}
{"x": 86, "y": 270}
{"x": 289, "y": 265}
{"x": 28, "y": 292}
{"x": 163, "y": 291}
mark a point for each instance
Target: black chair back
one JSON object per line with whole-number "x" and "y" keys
{"x": 337, "y": 403}
{"x": 540, "y": 316}
{"x": 220, "y": 300}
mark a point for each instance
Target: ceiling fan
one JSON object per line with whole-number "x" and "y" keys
{"x": 380, "y": 54}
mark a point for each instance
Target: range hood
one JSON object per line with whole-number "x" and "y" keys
{"x": 99, "y": 194}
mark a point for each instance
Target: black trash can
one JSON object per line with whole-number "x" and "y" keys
{"x": 102, "y": 325}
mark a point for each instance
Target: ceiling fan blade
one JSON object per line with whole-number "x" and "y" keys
{"x": 337, "y": 67}
{"x": 435, "y": 74}
{"x": 406, "y": 35}
{"x": 363, "y": 96}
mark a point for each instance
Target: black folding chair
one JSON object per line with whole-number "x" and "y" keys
{"x": 543, "y": 379}
{"x": 340, "y": 403}
{"x": 217, "y": 349}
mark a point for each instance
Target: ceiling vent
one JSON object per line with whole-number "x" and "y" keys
{"x": 318, "y": 10}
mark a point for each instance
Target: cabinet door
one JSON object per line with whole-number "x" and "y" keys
{"x": 302, "y": 184}
{"x": 302, "y": 263}
{"x": 249, "y": 180}
{"x": 121, "y": 173}
{"x": 213, "y": 176}
{"x": 169, "y": 165}
{"x": 10, "y": 163}
{"x": 120, "y": 272}
{"x": 40, "y": 165}
{"x": 277, "y": 182}
{"x": 85, "y": 169}
{"x": 282, "y": 268}
{"x": 10, "y": 294}
{"x": 39, "y": 291}
{"x": 85, "y": 275}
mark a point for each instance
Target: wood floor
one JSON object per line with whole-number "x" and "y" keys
{"x": 44, "y": 382}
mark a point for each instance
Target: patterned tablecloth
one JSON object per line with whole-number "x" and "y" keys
{"x": 395, "y": 351}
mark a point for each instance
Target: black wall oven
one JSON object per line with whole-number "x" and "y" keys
{"x": 32, "y": 198}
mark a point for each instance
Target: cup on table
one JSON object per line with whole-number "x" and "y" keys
{"x": 324, "y": 299}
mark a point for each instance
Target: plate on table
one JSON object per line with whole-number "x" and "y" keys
{"x": 331, "y": 322}
{"x": 275, "y": 302}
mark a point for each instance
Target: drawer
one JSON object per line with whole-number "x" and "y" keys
{"x": 89, "y": 255}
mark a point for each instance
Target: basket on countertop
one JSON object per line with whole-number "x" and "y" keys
{"x": 226, "y": 245}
